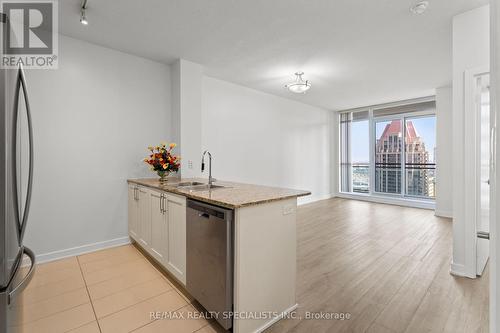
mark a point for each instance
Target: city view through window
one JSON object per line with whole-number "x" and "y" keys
{"x": 415, "y": 177}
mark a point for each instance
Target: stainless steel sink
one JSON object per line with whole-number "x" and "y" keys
{"x": 202, "y": 187}
{"x": 207, "y": 187}
{"x": 188, "y": 184}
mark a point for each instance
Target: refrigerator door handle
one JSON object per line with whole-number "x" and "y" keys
{"x": 21, "y": 83}
{"x": 26, "y": 280}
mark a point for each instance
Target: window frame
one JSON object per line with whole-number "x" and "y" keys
{"x": 372, "y": 120}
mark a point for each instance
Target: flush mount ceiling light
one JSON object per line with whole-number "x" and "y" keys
{"x": 420, "y": 7}
{"x": 299, "y": 86}
{"x": 83, "y": 14}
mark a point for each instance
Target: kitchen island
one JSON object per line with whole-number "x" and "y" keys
{"x": 264, "y": 244}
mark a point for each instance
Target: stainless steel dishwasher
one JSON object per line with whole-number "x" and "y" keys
{"x": 209, "y": 258}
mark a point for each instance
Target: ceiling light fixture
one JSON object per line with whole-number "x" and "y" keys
{"x": 420, "y": 7}
{"x": 83, "y": 14}
{"x": 299, "y": 86}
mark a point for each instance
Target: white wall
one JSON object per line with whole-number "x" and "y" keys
{"x": 444, "y": 144}
{"x": 92, "y": 118}
{"x": 470, "y": 50}
{"x": 259, "y": 138}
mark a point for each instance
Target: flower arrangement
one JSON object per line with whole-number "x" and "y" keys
{"x": 162, "y": 160}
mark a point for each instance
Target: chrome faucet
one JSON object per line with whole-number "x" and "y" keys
{"x": 210, "y": 179}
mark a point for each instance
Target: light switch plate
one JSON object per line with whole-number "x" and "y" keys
{"x": 190, "y": 164}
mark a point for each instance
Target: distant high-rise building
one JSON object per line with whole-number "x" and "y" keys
{"x": 388, "y": 153}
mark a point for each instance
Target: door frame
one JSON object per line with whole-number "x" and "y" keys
{"x": 495, "y": 174}
{"x": 470, "y": 168}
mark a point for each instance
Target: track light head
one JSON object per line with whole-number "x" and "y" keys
{"x": 83, "y": 18}
{"x": 83, "y": 13}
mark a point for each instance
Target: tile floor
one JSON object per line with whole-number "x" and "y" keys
{"x": 109, "y": 291}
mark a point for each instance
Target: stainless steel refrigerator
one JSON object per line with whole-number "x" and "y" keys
{"x": 16, "y": 182}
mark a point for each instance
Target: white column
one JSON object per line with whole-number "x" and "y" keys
{"x": 444, "y": 144}
{"x": 186, "y": 115}
{"x": 471, "y": 50}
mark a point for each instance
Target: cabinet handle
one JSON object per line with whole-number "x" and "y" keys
{"x": 161, "y": 203}
{"x": 164, "y": 199}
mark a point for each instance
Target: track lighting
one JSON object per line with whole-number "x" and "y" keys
{"x": 83, "y": 14}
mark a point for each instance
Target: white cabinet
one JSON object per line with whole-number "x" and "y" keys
{"x": 176, "y": 259}
{"x": 144, "y": 220}
{"x": 139, "y": 225}
{"x": 133, "y": 212}
{"x": 159, "y": 227}
{"x": 157, "y": 222}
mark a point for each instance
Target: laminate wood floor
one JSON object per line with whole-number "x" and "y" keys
{"x": 387, "y": 266}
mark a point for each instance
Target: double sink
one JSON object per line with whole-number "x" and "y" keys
{"x": 197, "y": 186}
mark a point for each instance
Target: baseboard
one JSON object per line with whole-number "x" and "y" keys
{"x": 459, "y": 270}
{"x": 423, "y": 204}
{"x": 443, "y": 213}
{"x": 74, "y": 251}
{"x": 276, "y": 319}
{"x": 313, "y": 198}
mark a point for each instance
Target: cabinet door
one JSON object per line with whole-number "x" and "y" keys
{"x": 133, "y": 212}
{"x": 159, "y": 229}
{"x": 144, "y": 218}
{"x": 176, "y": 258}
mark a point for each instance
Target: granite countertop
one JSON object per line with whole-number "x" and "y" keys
{"x": 233, "y": 195}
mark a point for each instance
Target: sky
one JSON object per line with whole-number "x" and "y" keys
{"x": 425, "y": 127}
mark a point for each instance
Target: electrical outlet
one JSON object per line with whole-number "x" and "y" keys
{"x": 190, "y": 164}
{"x": 288, "y": 209}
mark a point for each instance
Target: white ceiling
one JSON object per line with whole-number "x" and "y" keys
{"x": 355, "y": 52}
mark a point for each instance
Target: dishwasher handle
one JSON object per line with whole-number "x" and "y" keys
{"x": 204, "y": 215}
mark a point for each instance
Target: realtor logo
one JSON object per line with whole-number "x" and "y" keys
{"x": 29, "y": 35}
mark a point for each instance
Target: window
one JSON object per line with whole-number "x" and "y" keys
{"x": 388, "y": 156}
{"x": 420, "y": 166}
{"x": 355, "y": 165}
{"x": 389, "y": 151}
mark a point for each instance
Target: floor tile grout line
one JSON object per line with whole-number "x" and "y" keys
{"x": 53, "y": 314}
{"x": 52, "y": 282}
{"x": 128, "y": 287}
{"x": 154, "y": 320}
{"x": 103, "y": 250}
{"x": 167, "y": 278}
{"x": 112, "y": 277}
{"x": 113, "y": 264}
{"x": 88, "y": 294}
{"x": 75, "y": 328}
{"x": 199, "y": 329}
{"x": 54, "y": 296}
{"x": 129, "y": 306}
